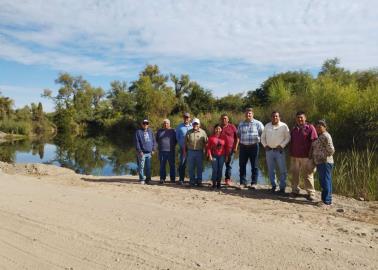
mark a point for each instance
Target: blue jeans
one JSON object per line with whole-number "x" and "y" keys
{"x": 144, "y": 164}
{"x": 217, "y": 164}
{"x": 325, "y": 179}
{"x": 227, "y": 174}
{"x": 169, "y": 156}
{"x": 251, "y": 153}
{"x": 276, "y": 159}
{"x": 195, "y": 158}
{"x": 182, "y": 165}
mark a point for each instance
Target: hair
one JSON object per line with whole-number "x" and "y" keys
{"x": 217, "y": 125}
{"x": 166, "y": 120}
{"x": 321, "y": 122}
{"x": 300, "y": 113}
{"x": 249, "y": 109}
{"x": 223, "y": 115}
{"x": 274, "y": 112}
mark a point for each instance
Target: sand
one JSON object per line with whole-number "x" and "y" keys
{"x": 52, "y": 218}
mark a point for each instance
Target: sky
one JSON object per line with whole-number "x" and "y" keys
{"x": 227, "y": 46}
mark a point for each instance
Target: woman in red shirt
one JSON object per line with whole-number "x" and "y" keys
{"x": 217, "y": 153}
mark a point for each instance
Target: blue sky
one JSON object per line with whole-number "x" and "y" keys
{"x": 227, "y": 46}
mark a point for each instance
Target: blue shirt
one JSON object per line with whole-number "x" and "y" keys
{"x": 144, "y": 141}
{"x": 250, "y": 132}
{"x": 166, "y": 139}
{"x": 181, "y": 131}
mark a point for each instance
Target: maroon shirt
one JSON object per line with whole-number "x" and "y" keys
{"x": 301, "y": 139}
{"x": 230, "y": 134}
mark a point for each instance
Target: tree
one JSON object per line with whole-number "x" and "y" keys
{"x": 199, "y": 99}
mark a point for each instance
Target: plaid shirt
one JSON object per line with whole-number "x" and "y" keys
{"x": 250, "y": 132}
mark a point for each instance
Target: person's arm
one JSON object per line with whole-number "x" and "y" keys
{"x": 138, "y": 143}
{"x": 208, "y": 149}
{"x": 263, "y": 138}
{"x": 260, "y": 128}
{"x": 330, "y": 149}
{"x": 154, "y": 144}
{"x": 286, "y": 137}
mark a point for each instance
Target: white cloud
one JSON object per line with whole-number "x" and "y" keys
{"x": 105, "y": 37}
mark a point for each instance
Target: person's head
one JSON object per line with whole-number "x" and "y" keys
{"x": 320, "y": 126}
{"x": 249, "y": 114}
{"x": 300, "y": 118}
{"x": 186, "y": 118}
{"x": 145, "y": 123}
{"x": 275, "y": 117}
{"x": 217, "y": 129}
{"x": 196, "y": 123}
{"x": 166, "y": 123}
{"x": 224, "y": 119}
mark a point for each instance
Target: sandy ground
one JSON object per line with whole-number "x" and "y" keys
{"x": 51, "y": 218}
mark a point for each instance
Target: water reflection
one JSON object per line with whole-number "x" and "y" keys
{"x": 96, "y": 156}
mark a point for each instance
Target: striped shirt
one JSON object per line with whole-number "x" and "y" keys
{"x": 250, "y": 132}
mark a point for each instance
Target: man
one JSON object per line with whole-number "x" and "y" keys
{"x": 275, "y": 137}
{"x": 249, "y": 133}
{"x": 195, "y": 144}
{"x": 181, "y": 131}
{"x": 229, "y": 131}
{"x": 166, "y": 141}
{"x": 302, "y": 136}
{"x": 145, "y": 145}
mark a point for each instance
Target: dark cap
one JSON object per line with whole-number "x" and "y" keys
{"x": 145, "y": 121}
{"x": 321, "y": 122}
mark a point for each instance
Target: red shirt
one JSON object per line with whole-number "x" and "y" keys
{"x": 301, "y": 139}
{"x": 231, "y": 135}
{"x": 217, "y": 145}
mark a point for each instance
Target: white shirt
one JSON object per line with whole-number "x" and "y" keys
{"x": 275, "y": 135}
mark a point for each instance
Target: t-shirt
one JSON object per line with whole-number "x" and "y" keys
{"x": 301, "y": 139}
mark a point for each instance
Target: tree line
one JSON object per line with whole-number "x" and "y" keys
{"x": 347, "y": 100}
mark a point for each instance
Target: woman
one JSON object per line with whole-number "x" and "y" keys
{"x": 322, "y": 151}
{"x": 217, "y": 152}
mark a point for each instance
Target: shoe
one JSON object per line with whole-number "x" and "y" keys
{"x": 142, "y": 182}
{"x": 294, "y": 194}
{"x": 273, "y": 189}
{"x": 161, "y": 181}
{"x": 199, "y": 185}
{"x": 281, "y": 191}
{"x": 324, "y": 205}
{"x": 181, "y": 183}
{"x": 173, "y": 181}
{"x": 227, "y": 182}
{"x": 253, "y": 186}
{"x": 311, "y": 197}
{"x": 218, "y": 185}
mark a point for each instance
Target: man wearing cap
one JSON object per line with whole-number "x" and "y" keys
{"x": 195, "y": 144}
{"x": 166, "y": 141}
{"x": 249, "y": 132}
{"x": 181, "y": 131}
{"x": 302, "y": 136}
{"x": 145, "y": 146}
{"x": 229, "y": 131}
{"x": 274, "y": 138}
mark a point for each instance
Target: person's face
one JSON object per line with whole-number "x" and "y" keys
{"x": 301, "y": 119}
{"x": 225, "y": 120}
{"x": 249, "y": 115}
{"x": 196, "y": 126}
{"x": 218, "y": 130}
{"x": 166, "y": 125}
{"x": 275, "y": 118}
{"x": 186, "y": 119}
{"x": 145, "y": 125}
{"x": 320, "y": 129}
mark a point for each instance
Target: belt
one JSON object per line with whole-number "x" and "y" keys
{"x": 273, "y": 149}
{"x": 248, "y": 145}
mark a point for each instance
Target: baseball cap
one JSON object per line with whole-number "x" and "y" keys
{"x": 196, "y": 120}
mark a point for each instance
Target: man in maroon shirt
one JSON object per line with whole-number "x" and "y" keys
{"x": 302, "y": 135}
{"x": 229, "y": 131}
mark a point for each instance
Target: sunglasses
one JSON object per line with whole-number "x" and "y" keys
{"x": 145, "y": 123}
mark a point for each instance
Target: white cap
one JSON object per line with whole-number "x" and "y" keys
{"x": 196, "y": 120}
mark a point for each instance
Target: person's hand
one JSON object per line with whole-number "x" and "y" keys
{"x": 210, "y": 157}
{"x": 153, "y": 152}
{"x": 279, "y": 147}
{"x": 235, "y": 150}
{"x": 141, "y": 154}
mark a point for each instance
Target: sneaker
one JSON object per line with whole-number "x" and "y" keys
{"x": 253, "y": 186}
{"x": 281, "y": 191}
{"x": 161, "y": 181}
{"x": 294, "y": 194}
{"x": 142, "y": 182}
{"x": 173, "y": 181}
{"x": 273, "y": 189}
{"x": 199, "y": 185}
{"x": 311, "y": 197}
{"x": 324, "y": 205}
{"x": 227, "y": 182}
{"x": 181, "y": 183}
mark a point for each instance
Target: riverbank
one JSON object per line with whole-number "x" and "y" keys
{"x": 52, "y": 218}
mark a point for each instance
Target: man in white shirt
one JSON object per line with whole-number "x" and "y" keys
{"x": 275, "y": 136}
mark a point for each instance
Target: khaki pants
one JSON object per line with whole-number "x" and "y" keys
{"x": 306, "y": 168}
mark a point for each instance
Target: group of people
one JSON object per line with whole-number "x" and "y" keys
{"x": 310, "y": 148}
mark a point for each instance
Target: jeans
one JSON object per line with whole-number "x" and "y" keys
{"x": 276, "y": 159}
{"x": 217, "y": 164}
{"x": 249, "y": 152}
{"x": 169, "y": 156}
{"x": 182, "y": 165}
{"x": 144, "y": 164}
{"x": 227, "y": 174}
{"x": 325, "y": 178}
{"x": 195, "y": 158}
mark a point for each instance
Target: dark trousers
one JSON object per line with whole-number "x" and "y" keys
{"x": 248, "y": 152}
{"x": 325, "y": 179}
{"x": 169, "y": 156}
{"x": 182, "y": 165}
{"x": 227, "y": 174}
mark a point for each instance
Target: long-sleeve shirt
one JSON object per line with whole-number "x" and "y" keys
{"x": 249, "y": 132}
{"x": 181, "y": 131}
{"x": 301, "y": 139}
{"x": 231, "y": 136}
{"x": 322, "y": 149}
{"x": 166, "y": 139}
{"x": 144, "y": 141}
{"x": 217, "y": 145}
{"x": 196, "y": 139}
{"x": 275, "y": 135}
